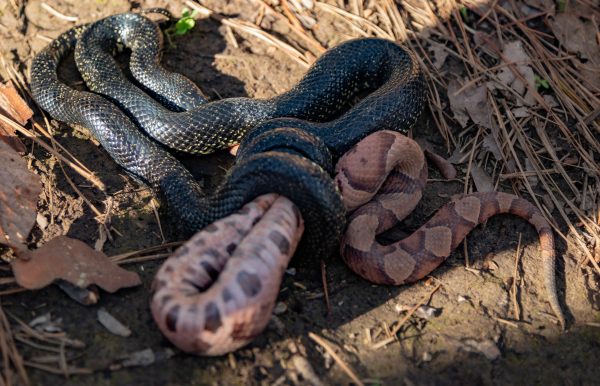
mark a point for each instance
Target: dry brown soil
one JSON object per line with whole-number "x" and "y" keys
{"x": 472, "y": 303}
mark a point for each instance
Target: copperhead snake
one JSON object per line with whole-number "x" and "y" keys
{"x": 217, "y": 291}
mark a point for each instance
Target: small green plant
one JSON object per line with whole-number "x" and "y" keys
{"x": 562, "y": 5}
{"x": 182, "y": 26}
{"x": 464, "y": 12}
{"x": 541, "y": 83}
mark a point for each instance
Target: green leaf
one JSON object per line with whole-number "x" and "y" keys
{"x": 541, "y": 83}
{"x": 183, "y": 25}
{"x": 464, "y": 12}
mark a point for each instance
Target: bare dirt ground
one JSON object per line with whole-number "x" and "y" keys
{"x": 470, "y": 335}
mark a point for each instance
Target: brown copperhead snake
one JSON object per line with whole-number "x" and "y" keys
{"x": 218, "y": 290}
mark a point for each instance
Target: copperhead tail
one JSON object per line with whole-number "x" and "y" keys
{"x": 381, "y": 180}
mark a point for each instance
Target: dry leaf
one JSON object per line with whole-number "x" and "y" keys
{"x": 489, "y": 144}
{"x": 19, "y": 191}
{"x": 85, "y": 296}
{"x": 550, "y": 100}
{"x": 487, "y": 42}
{"x": 9, "y": 136}
{"x": 439, "y": 54}
{"x": 575, "y": 35}
{"x": 428, "y": 312}
{"x": 46, "y": 323}
{"x": 483, "y": 181}
{"x": 112, "y": 324}
{"x": 579, "y": 37}
{"x": 457, "y": 104}
{"x": 520, "y": 112}
{"x": 487, "y": 347}
{"x": 470, "y": 102}
{"x": 547, "y": 200}
{"x": 14, "y": 107}
{"x": 457, "y": 157}
{"x": 74, "y": 261}
{"x": 145, "y": 357}
{"x": 542, "y": 5}
{"x": 514, "y": 53}
{"x": 531, "y": 177}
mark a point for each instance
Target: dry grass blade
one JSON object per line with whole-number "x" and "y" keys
{"x": 77, "y": 168}
{"x": 252, "y": 29}
{"x": 514, "y": 287}
{"x": 408, "y": 315}
{"x": 351, "y": 18}
{"x": 345, "y": 367}
{"x": 66, "y": 371}
{"x": 292, "y": 21}
{"x": 124, "y": 256}
{"x": 73, "y": 162}
{"x": 10, "y": 355}
{"x": 57, "y": 14}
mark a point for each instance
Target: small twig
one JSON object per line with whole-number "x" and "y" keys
{"x": 410, "y": 313}
{"x": 507, "y": 322}
{"x": 346, "y": 368}
{"x": 160, "y": 229}
{"x": 325, "y": 288}
{"x": 142, "y": 259}
{"x": 59, "y": 371}
{"x": 295, "y": 27}
{"x": 59, "y": 15}
{"x": 85, "y": 174}
{"x": 513, "y": 292}
{"x": 123, "y": 256}
{"x": 252, "y": 29}
{"x": 10, "y": 353}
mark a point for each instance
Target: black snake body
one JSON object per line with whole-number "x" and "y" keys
{"x": 289, "y": 155}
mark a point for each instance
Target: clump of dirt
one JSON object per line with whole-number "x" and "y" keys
{"x": 466, "y": 333}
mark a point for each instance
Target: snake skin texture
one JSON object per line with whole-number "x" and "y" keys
{"x": 217, "y": 291}
{"x": 293, "y": 159}
{"x": 358, "y": 66}
{"x": 382, "y": 179}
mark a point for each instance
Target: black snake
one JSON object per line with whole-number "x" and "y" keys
{"x": 289, "y": 142}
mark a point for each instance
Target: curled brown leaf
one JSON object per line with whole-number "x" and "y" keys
{"x": 19, "y": 193}
{"x": 74, "y": 261}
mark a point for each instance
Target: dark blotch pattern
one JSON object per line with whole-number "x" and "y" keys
{"x": 212, "y": 228}
{"x": 182, "y": 251}
{"x": 249, "y": 282}
{"x": 212, "y": 253}
{"x": 165, "y": 299}
{"x": 172, "y": 317}
{"x": 280, "y": 240}
{"x": 197, "y": 287}
{"x": 210, "y": 270}
{"x": 230, "y": 248}
{"x": 213, "y": 317}
{"x": 227, "y": 296}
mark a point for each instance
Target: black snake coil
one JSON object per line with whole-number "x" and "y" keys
{"x": 289, "y": 142}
